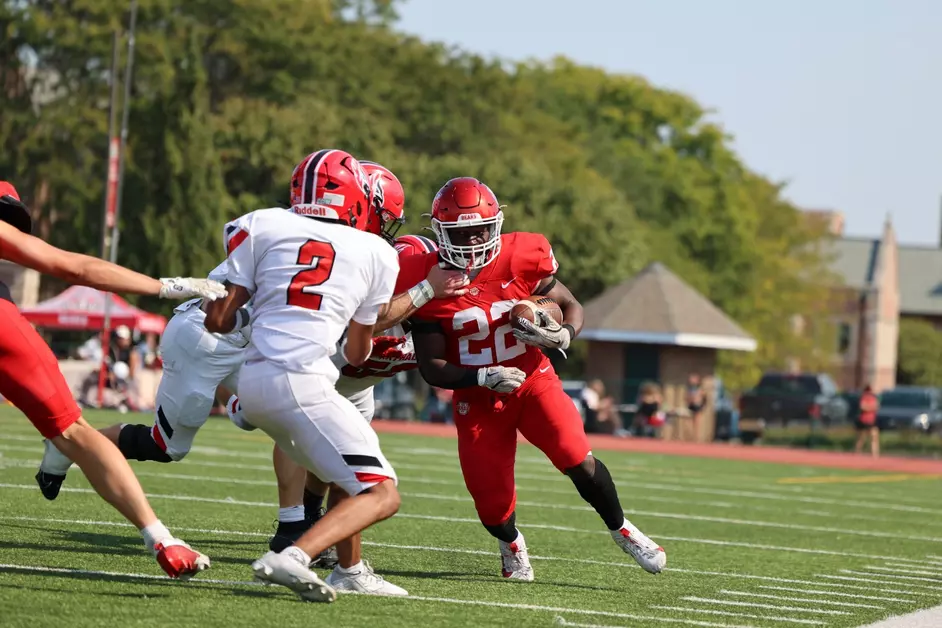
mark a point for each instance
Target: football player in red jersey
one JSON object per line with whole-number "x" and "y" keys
{"x": 502, "y": 380}
{"x": 31, "y": 380}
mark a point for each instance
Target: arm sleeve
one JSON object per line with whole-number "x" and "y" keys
{"x": 539, "y": 262}
{"x": 240, "y": 248}
{"x": 385, "y": 271}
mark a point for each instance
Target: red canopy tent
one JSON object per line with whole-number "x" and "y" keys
{"x": 83, "y": 308}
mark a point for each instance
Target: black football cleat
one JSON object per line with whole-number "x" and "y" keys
{"x": 49, "y": 484}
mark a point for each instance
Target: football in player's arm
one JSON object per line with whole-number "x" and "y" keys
{"x": 431, "y": 343}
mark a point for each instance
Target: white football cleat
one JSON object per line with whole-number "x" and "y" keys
{"x": 515, "y": 560}
{"x": 290, "y": 571}
{"x": 364, "y": 580}
{"x": 649, "y": 554}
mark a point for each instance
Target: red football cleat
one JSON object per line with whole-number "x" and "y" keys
{"x": 178, "y": 560}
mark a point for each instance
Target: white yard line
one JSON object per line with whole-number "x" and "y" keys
{"x": 420, "y": 598}
{"x": 709, "y": 611}
{"x": 771, "y": 607}
{"x": 802, "y": 600}
{"x": 767, "y": 493}
{"x": 431, "y": 548}
{"x": 402, "y": 515}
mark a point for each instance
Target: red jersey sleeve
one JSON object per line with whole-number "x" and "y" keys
{"x": 413, "y": 269}
{"x": 533, "y": 258}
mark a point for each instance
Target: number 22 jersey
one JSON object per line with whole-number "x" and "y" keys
{"x": 308, "y": 279}
{"x": 477, "y": 325}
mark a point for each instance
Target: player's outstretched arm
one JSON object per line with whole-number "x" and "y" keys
{"x": 440, "y": 283}
{"x": 229, "y": 313}
{"x": 84, "y": 270}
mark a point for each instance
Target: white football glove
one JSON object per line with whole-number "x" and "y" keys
{"x": 502, "y": 379}
{"x": 183, "y": 288}
{"x": 546, "y": 333}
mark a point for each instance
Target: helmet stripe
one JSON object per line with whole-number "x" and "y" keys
{"x": 430, "y": 246}
{"x": 309, "y": 187}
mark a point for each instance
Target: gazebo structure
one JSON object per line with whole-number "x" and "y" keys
{"x": 655, "y": 327}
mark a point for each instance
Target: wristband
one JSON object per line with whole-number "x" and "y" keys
{"x": 242, "y": 317}
{"x": 572, "y": 330}
{"x": 421, "y": 293}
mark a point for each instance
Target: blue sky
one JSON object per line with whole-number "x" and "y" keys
{"x": 840, "y": 98}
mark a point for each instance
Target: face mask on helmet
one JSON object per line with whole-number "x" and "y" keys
{"x": 471, "y": 243}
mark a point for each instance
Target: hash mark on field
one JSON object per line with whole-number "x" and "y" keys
{"x": 873, "y": 577}
{"x": 794, "y": 609}
{"x": 911, "y": 570}
{"x": 802, "y": 600}
{"x": 560, "y": 621}
{"x": 709, "y": 611}
{"x": 891, "y": 577}
{"x": 899, "y": 599}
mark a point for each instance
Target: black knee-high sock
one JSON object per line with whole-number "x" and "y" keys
{"x": 507, "y": 531}
{"x": 599, "y": 490}
{"x": 312, "y": 506}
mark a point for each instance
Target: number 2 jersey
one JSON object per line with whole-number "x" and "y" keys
{"x": 308, "y": 279}
{"x": 477, "y": 325}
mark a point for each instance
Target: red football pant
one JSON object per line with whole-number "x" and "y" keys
{"x": 487, "y": 440}
{"x": 30, "y": 377}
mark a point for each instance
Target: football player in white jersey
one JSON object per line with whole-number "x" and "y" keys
{"x": 313, "y": 272}
{"x": 200, "y": 367}
{"x": 300, "y": 501}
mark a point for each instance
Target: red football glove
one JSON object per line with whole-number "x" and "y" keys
{"x": 387, "y": 348}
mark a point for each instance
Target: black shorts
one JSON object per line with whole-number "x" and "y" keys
{"x": 863, "y": 427}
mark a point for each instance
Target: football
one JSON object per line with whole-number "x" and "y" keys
{"x": 527, "y": 309}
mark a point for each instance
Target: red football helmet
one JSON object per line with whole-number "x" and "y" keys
{"x": 467, "y": 219}
{"x": 330, "y": 184}
{"x": 414, "y": 245}
{"x": 12, "y": 209}
{"x": 388, "y": 201}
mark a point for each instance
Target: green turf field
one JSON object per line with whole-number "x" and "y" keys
{"x": 747, "y": 544}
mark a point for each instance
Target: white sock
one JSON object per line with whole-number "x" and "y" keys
{"x": 297, "y": 554}
{"x": 54, "y": 461}
{"x": 351, "y": 570}
{"x": 291, "y": 514}
{"x": 155, "y": 533}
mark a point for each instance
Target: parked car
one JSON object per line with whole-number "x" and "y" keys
{"x": 910, "y": 407}
{"x": 786, "y": 398}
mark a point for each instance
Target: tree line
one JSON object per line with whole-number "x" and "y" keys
{"x": 229, "y": 94}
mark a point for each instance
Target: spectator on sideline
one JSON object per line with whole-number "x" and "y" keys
{"x": 867, "y": 422}
{"x": 696, "y": 401}
{"x": 649, "y": 405}
{"x": 592, "y": 396}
